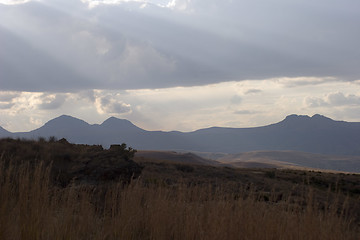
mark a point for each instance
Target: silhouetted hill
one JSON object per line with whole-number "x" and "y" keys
{"x": 316, "y": 134}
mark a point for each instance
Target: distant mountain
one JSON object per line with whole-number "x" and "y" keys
{"x": 4, "y": 133}
{"x": 120, "y": 124}
{"x": 63, "y": 126}
{"x": 316, "y": 134}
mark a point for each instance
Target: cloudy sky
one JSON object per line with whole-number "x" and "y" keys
{"x": 178, "y": 64}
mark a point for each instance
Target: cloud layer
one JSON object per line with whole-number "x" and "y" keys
{"x": 77, "y": 45}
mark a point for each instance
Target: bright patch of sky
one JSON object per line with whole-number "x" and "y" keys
{"x": 229, "y": 104}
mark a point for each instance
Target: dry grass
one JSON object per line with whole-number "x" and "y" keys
{"x": 32, "y": 208}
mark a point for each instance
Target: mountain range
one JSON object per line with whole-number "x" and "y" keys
{"x": 316, "y": 134}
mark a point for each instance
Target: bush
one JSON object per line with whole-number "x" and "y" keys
{"x": 270, "y": 174}
{"x": 184, "y": 168}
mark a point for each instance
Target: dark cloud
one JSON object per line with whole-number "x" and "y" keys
{"x": 245, "y": 112}
{"x": 333, "y": 99}
{"x": 5, "y": 105}
{"x": 89, "y": 94}
{"x": 236, "y": 99}
{"x": 251, "y": 91}
{"x": 118, "y": 108}
{"x": 8, "y": 96}
{"x": 7, "y": 99}
{"x": 314, "y": 102}
{"x": 52, "y": 102}
{"x": 111, "y": 105}
{"x": 340, "y": 99}
{"x": 23, "y": 67}
{"x": 303, "y": 81}
{"x": 64, "y": 46}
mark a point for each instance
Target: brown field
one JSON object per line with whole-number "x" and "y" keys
{"x": 180, "y": 201}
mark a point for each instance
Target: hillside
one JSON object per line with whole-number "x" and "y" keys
{"x": 176, "y": 157}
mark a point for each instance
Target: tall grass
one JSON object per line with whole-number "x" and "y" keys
{"x": 32, "y": 208}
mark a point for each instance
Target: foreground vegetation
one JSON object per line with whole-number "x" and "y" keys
{"x": 173, "y": 201}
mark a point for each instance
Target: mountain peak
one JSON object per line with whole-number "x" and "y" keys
{"x": 64, "y": 116}
{"x": 115, "y": 120}
{"x": 321, "y": 117}
{"x": 317, "y": 117}
{"x": 301, "y": 120}
{"x": 296, "y": 118}
{"x": 66, "y": 121}
{"x": 117, "y": 123}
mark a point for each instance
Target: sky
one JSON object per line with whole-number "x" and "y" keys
{"x": 178, "y": 64}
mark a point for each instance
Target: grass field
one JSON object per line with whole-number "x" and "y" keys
{"x": 31, "y": 208}
{"x": 180, "y": 201}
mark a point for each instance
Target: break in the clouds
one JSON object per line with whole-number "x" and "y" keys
{"x": 230, "y": 104}
{"x": 63, "y": 45}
